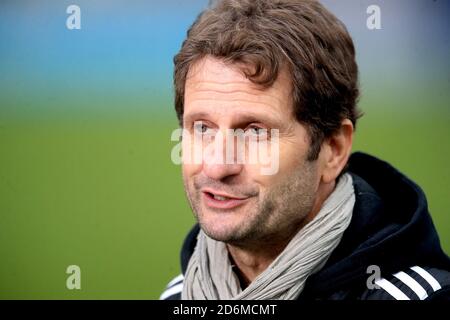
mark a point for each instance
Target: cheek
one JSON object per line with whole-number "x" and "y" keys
{"x": 191, "y": 159}
{"x": 291, "y": 157}
{"x": 190, "y": 170}
{"x": 282, "y": 154}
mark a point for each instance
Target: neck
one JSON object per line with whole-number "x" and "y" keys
{"x": 251, "y": 259}
{"x": 250, "y": 262}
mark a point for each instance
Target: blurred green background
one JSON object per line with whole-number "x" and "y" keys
{"x": 85, "y": 123}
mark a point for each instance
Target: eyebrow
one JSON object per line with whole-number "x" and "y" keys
{"x": 195, "y": 115}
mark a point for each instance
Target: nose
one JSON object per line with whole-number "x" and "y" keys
{"x": 221, "y": 171}
{"x": 217, "y": 164}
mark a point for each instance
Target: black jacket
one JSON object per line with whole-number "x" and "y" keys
{"x": 391, "y": 229}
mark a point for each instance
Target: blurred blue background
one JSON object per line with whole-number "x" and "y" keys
{"x": 85, "y": 123}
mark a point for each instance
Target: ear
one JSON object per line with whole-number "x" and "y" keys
{"x": 336, "y": 151}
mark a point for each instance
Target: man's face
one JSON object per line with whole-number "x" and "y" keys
{"x": 235, "y": 202}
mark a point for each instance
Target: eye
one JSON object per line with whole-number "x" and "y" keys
{"x": 200, "y": 127}
{"x": 257, "y": 131}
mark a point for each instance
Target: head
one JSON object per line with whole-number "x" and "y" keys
{"x": 287, "y": 65}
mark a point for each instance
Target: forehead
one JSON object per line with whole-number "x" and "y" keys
{"x": 213, "y": 69}
{"x": 218, "y": 87}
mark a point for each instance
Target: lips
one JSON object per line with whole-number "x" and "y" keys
{"x": 220, "y": 200}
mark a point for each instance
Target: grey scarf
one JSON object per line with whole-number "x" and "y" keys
{"x": 210, "y": 276}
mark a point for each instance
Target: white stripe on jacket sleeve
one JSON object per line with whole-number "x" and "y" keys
{"x": 171, "y": 291}
{"x": 428, "y": 277}
{"x": 391, "y": 289}
{"x": 412, "y": 284}
{"x": 175, "y": 280}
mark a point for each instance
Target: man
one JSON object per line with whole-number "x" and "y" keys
{"x": 325, "y": 218}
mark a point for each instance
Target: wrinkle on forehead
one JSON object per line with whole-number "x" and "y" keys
{"x": 208, "y": 92}
{"x": 224, "y": 73}
{"x": 216, "y": 67}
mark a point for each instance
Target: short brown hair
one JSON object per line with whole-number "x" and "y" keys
{"x": 267, "y": 34}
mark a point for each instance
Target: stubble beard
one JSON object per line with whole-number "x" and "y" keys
{"x": 277, "y": 216}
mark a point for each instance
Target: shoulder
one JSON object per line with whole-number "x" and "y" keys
{"x": 414, "y": 283}
{"x": 173, "y": 289}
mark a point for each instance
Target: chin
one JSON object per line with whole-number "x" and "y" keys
{"x": 220, "y": 230}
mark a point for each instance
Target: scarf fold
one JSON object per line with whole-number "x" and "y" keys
{"x": 210, "y": 276}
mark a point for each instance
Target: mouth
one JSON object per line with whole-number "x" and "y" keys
{"x": 220, "y": 200}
